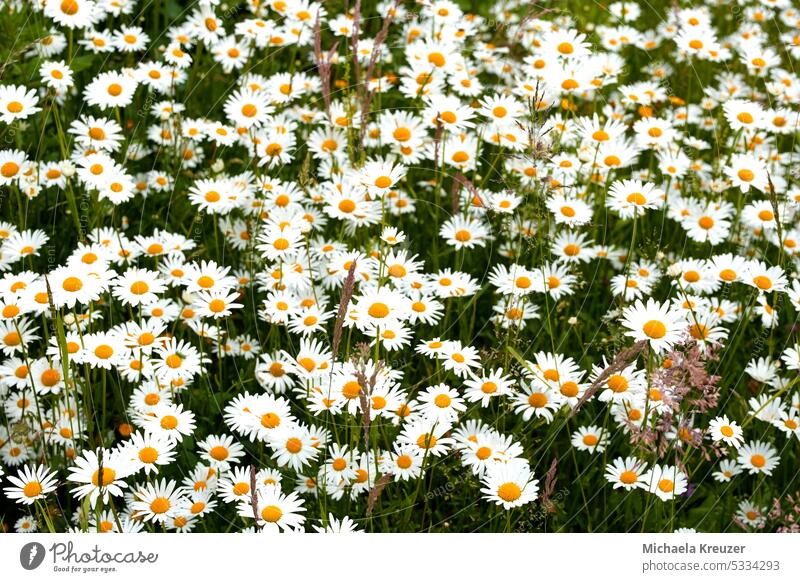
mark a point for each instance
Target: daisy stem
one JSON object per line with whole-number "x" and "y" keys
{"x": 580, "y": 484}
{"x": 116, "y": 516}
{"x": 42, "y": 508}
{"x": 427, "y": 498}
{"x": 419, "y": 485}
{"x": 221, "y": 354}
{"x": 603, "y": 433}
{"x": 216, "y": 235}
{"x": 103, "y": 407}
{"x": 648, "y": 504}
{"x": 672, "y": 515}
{"x": 628, "y": 257}
{"x": 778, "y": 394}
{"x": 497, "y": 156}
{"x": 33, "y": 389}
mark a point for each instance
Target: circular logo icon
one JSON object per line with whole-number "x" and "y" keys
{"x": 31, "y": 555}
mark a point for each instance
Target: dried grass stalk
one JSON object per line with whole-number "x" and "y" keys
{"x": 347, "y": 295}
{"x": 375, "y": 492}
{"x": 620, "y": 362}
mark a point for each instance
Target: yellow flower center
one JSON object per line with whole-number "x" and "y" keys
{"x": 108, "y": 477}
{"x": 378, "y": 310}
{"x": 509, "y": 492}
{"x": 72, "y": 284}
{"x": 442, "y": 401}
{"x": 32, "y": 489}
{"x": 148, "y": 455}
{"x": 160, "y": 505}
{"x": 654, "y": 329}
{"x": 169, "y": 422}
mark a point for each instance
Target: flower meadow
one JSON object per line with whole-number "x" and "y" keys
{"x": 433, "y": 266}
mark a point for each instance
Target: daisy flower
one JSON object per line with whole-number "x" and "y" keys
{"x": 17, "y": 102}
{"x": 176, "y": 361}
{"x": 56, "y": 74}
{"x": 100, "y": 472}
{"x": 138, "y": 287}
{"x": 449, "y": 112}
{"x": 427, "y": 436}
{"x": 742, "y": 114}
{"x": 750, "y": 514}
{"x": 536, "y": 400}
{"x": 340, "y": 465}
{"x": 73, "y": 13}
{"x": 392, "y": 236}
{"x": 568, "y": 210}
{"x": 630, "y": 198}
{"x": 26, "y": 524}
{"x": 758, "y": 457}
{"x": 221, "y": 451}
{"x": 73, "y": 285}
{"x": 157, "y": 501}
{"x": 488, "y": 450}
{"x": 170, "y": 421}
{"x": 276, "y": 511}
{"x": 441, "y": 403}
{"x": 110, "y": 89}
{"x": 665, "y": 482}
{"x": 378, "y": 305}
{"x": 293, "y": 447}
{"x": 378, "y": 176}
{"x": 464, "y": 233}
{"x": 658, "y": 324}
{"x": 789, "y": 423}
{"x": 488, "y": 385}
{"x": 12, "y": 163}
{"x": 726, "y": 470}
{"x": 338, "y": 526}
{"x": 247, "y": 108}
{"x": 727, "y": 431}
{"x": 103, "y": 349}
{"x": 745, "y": 171}
{"x": 404, "y": 463}
{"x": 459, "y": 359}
{"x": 590, "y": 438}
{"x": 207, "y": 276}
{"x": 510, "y": 484}
{"x": 627, "y": 473}
{"x": 554, "y": 279}
{"x": 764, "y": 278}
{"x": 216, "y": 304}
{"x": 235, "y": 486}
{"x": 30, "y": 484}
